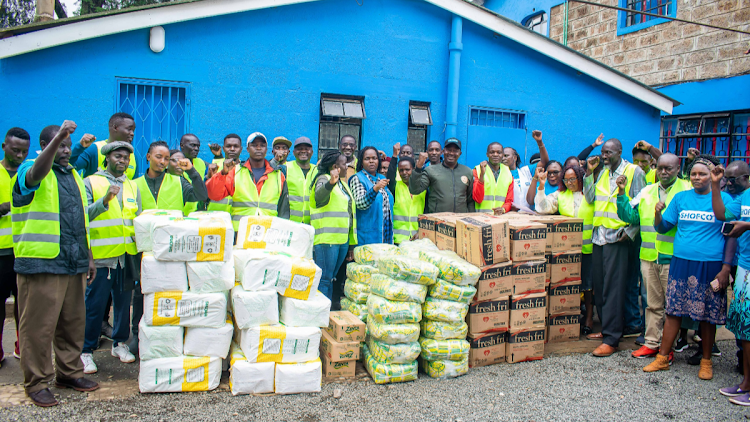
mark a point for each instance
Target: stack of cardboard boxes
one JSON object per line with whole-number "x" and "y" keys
{"x": 340, "y": 345}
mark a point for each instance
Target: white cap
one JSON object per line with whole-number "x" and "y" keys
{"x": 254, "y": 135}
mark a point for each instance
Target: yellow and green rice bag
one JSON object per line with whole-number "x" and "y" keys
{"x": 414, "y": 246}
{"x": 393, "y": 333}
{"x": 382, "y": 310}
{"x": 440, "y": 330}
{"x": 407, "y": 269}
{"x": 393, "y": 353}
{"x": 358, "y": 309}
{"x": 454, "y": 349}
{"x": 449, "y": 291}
{"x": 360, "y": 273}
{"x": 356, "y": 292}
{"x": 444, "y": 310}
{"x": 401, "y": 291}
{"x": 383, "y": 373}
{"x": 369, "y": 254}
{"x": 452, "y": 267}
{"x": 445, "y": 368}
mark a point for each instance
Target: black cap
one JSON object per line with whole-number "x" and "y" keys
{"x": 452, "y": 141}
{"x": 535, "y": 158}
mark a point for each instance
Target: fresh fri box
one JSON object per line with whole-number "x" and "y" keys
{"x": 483, "y": 239}
{"x": 336, "y": 351}
{"x": 564, "y": 266}
{"x": 486, "y": 349}
{"x": 490, "y": 315}
{"x": 525, "y": 345}
{"x": 529, "y": 276}
{"x": 343, "y": 369}
{"x": 344, "y": 326}
{"x": 528, "y": 240}
{"x": 495, "y": 281}
{"x": 565, "y": 297}
{"x": 445, "y": 233}
{"x": 427, "y": 223}
{"x": 564, "y": 327}
{"x": 567, "y": 233}
{"x": 528, "y": 311}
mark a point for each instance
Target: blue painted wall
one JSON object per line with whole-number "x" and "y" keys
{"x": 724, "y": 94}
{"x": 265, "y": 70}
{"x": 518, "y": 10}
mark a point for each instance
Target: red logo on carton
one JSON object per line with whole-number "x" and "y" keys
{"x": 562, "y": 300}
{"x": 486, "y": 352}
{"x": 492, "y": 284}
{"x": 527, "y": 246}
{"x": 564, "y": 237}
{"x": 499, "y": 248}
{"x": 562, "y": 330}
{"x": 525, "y": 314}
{"x": 486, "y": 319}
{"x": 565, "y": 269}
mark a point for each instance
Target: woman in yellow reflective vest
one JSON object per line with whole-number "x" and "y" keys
{"x": 406, "y": 207}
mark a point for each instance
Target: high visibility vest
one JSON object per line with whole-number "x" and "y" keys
{"x": 168, "y": 198}
{"x": 651, "y": 177}
{"x": 494, "y": 190}
{"x": 218, "y": 161}
{"x": 6, "y": 186}
{"x": 130, "y": 172}
{"x": 247, "y": 201}
{"x": 331, "y": 222}
{"x": 112, "y": 232}
{"x": 200, "y": 167}
{"x": 566, "y": 207}
{"x": 605, "y": 205}
{"x": 653, "y": 243}
{"x": 36, "y": 227}
{"x": 406, "y": 210}
{"x": 299, "y": 191}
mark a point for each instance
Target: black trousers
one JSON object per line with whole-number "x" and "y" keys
{"x": 611, "y": 276}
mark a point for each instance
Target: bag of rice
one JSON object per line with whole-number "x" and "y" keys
{"x": 295, "y": 378}
{"x": 440, "y": 330}
{"x": 144, "y": 227}
{"x": 191, "y": 239}
{"x": 449, "y": 291}
{"x": 175, "y": 375}
{"x": 383, "y": 373}
{"x": 162, "y": 276}
{"x": 212, "y": 342}
{"x": 280, "y": 344}
{"x": 252, "y": 309}
{"x": 276, "y": 235}
{"x": 370, "y": 254}
{"x": 452, "y": 267}
{"x": 212, "y": 276}
{"x": 444, "y": 310}
{"x": 407, "y": 269}
{"x": 359, "y": 272}
{"x": 418, "y": 245}
{"x": 159, "y": 342}
{"x": 305, "y": 313}
{"x": 358, "y": 309}
{"x": 443, "y": 369}
{"x": 186, "y": 309}
{"x": 382, "y": 310}
{"x": 393, "y": 353}
{"x": 401, "y": 291}
{"x": 251, "y": 378}
{"x": 212, "y": 214}
{"x": 356, "y": 292}
{"x": 454, "y": 349}
{"x": 393, "y": 333}
{"x": 297, "y": 278}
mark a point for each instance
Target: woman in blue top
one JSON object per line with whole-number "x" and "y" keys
{"x": 699, "y": 258}
{"x": 373, "y": 200}
{"x": 549, "y": 177}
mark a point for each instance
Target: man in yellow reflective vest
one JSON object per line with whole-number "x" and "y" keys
{"x": 113, "y": 202}
{"x": 15, "y": 148}
{"x": 190, "y": 146}
{"x": 232, "y": 149}
{"x": 613, "y": 241}
{"x": 53, "y": 263}
{"x": 643, "y": 155}
{"x": 348, "y": 146}
{"x": 256, "y": 188}
{"x": 656, "y": 249}
{"x": 299, "y": 175}
{"x": 87, "y": 154}
{"x": 493, "y": 191}
{"x": 406, "y": 207}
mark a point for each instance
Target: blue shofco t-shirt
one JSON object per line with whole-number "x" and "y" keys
{"x": 698, "y": 235}
{"x": 740, "y": 208}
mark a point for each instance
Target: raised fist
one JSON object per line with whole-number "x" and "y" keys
{"x": 397, "y": 149}
{"x": 68, "y": 127}
{"x": 229, "y": 164}
{"x": 111, "y": 193}
{"x": 622, "y": 182}
{"x": 87, "y": 140}
{"x": 537, "y": 135}
{"x": 659, "y": 207}
{"x": 334, "y": 175}
{"x": 185, "y": 164}
{"x": 717, "y": 174}
{"x": 592, "y": 163}
{"x": 215, "y": 149}
{"x": 692, "y": 153}
{"x": 422, "y": 159}
{"x": 643, "y": 145}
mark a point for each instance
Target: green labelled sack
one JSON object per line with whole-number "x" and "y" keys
{"x": 356, "y": 292}
{"x": 444, "y": 310}
{"x": 382, "y": 310}
{"x": 358, "y": 309}
{"x": 360, "y": 273}
{"x": 452, "y": 267}
{"x": 393, "y": 333}
{"x": 401, "y": 291}
{"x": 449, "y": 291}
{"x": 407, "y": 269}
{"x": 444, "y": 349}
{"x": 413, "y": 247}
{"x": 440, "y": 330}
{"x": 443, "y": 369}
{"x": 383, "y": 373}
{"x": 393, "y": 353}
{"x": 369, "y": 254}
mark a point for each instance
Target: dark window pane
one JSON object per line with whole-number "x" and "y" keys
{"x": 333, "y": 108}
{"x": 417, "y": 138}
{"x": 353, "y": 110}
{"x": 420, "y": 116}
{"x": 328, "y": 138}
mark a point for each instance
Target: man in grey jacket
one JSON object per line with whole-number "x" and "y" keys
{"x": 449, "y": 182}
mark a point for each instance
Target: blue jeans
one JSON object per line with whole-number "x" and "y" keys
{"x": 107, "y": 281}
{"x": 633, "y": 316}
{"x": 329, "y": 258}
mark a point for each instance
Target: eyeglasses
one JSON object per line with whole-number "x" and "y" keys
{"x": 553, "y": 172}
{"x": 733, "y": 180}
{"x": 571, "y": 180}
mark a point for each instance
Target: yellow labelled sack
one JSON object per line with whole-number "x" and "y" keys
{"x": 454, "y": 349}
{"x": 401, "y": 291}
{"x": 191, "y": 239}
{"x": 443, "y": 369}
{"x": 280, "y": 343}
{"x": 290, "y": 276}
{"x": 393, "y": 333}
{"x": 212, "y": 276}
{"x": 358, "y": 309}
{"x": 235, "y": 353}
{"x": 440, "y": 330}
{"x": 208, "y": 341}
{"x": 251, "y": 378}
{"x": 144, "y": 227}
{"x": 370, "y": 254}
{"x": 212, "y": 214}
{"x": 393, "y": 353}
{"x": 252, "y": 309}
{"x": 295, "y": 378}
{"x": 444, "y": 310}
{"x": 360, "y": 273}
{"x": 383, "y": 373}
{"x": 305, "y": 313}
{"x": 382, "y": 310}
{"x": 159, "y": 342}
{"x": 452, "y": 267}
{"x": 356, "y": 292}
{"x": 186, "y": 309}
{"x": 276, "y": 235}
{"x": 449, "y": 291}
{"x": 174, "y": 375}
{"x": 162, "y": 276}
{"x": 408, "y": 269}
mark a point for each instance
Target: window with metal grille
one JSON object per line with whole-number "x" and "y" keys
{"x": 509, "y": 119}
{"x": 725, "y": 135}
{"x": 340, "y": 115}
{"x": 536, "y": 22}
{"x": 632, "y": 20}
{"x": 420, "y": 119}
{"x": 160, "y": 110}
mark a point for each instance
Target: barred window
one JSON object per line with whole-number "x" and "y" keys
{"x": 725, "y": 135}
{"x": 340, "y": 115}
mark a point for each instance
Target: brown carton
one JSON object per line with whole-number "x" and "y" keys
{"x": 565, "y": 297}
{"x": 548, "y": 257}
{"x": 336, "y": 351}
{"x": 427, "y": 224}
{"x": 344, "y": 326}
{"x": 567, "y": 233}
{"x": 525, "y": 345}
{"x": 527, "y": 240}
{"x": 528, "y": 311}
{"x": 445, "y": 232}
{"x": 341, "y": 369}
{"x": 564, "y": 266}
{"x": 495, "y": 281}
{"x": 564, "y": 327}
{"x": 529, "y": 276}
{"x": 484, "y": 239}
{"x": 548, "y": 222}
{"x": 490, "y": 315}
{"x": 486, "y": 349}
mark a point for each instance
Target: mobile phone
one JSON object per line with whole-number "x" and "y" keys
{"x": 727, "y": 227}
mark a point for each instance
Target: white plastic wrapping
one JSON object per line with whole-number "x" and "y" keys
{"x": 185, "y": 309}
{"x": 159, "y": 342}
{"x": 193, "y": 239}
{"x": 212, "y": 214}
{"x": 444, "y": 310}
{"x": 305, "y": 313}
{"x": 276, "y": 235}
{"x": 252, "y": 309}
{"x": 212, "y": 342}
{"x": 393, "y": 333}
{"x": 290, "y": 276}
{"x": 251, "y": 378}
{"x": 452, "y": 267}
{"x": 211, "y": 276}
{"x": 174, "y": 375}
{"x": 295, "y": 378}
{"x": 144, "y": 226}
{"x": 280, "y": 344}
{"x": 162, "y": 276}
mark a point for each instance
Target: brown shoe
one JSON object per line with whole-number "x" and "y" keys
{"x": 595, "y": 336}
{"x": 43, "y": 398}
{"x": 707, "y": 370}
{"x": 604, "y": 350}
{"x": 660, "y": 363}
{"x": 78, "y": 384}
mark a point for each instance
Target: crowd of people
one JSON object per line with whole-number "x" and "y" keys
{"x": 663, "y": 234}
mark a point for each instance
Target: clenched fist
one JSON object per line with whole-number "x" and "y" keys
{"x": 422, "y": 159}
{"x": 185, "y": 164}
{"x": 622, "y": 183}
{"x": 87, "y": 140}
{"x": 111, "y": 193}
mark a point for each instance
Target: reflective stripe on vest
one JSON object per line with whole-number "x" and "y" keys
{"x": 299, "y": 191}
{"x": 331, "y": 222}
{"x": 112, "y": 232}
{"x": 566, "y": 207}
{"x": 605, "y": 205}
{"x": 168, "y": 198}
{"x": 494, "y": 190}
{"x": 653, "y": 243}
{"x": 130, "y": 172}
{"x": 223, "y": 205}
{"x": 246, "y": 200}
{"x": 406, "y": 210}
{"x": 6, "y": 185}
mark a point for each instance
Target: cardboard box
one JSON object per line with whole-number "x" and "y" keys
{"x": 342, "y": 369}
{"x": 565, "y": 297}
{"x": 564, "y": 266}
{"x": 564, "y": 327}
{"x": 528, "y": 311}
{"x": 548, "y": 278}
{"x": 486, "y": 349}
{"x": 336, "y": 351}
{"x": 525, "y": 345}
{"x": 484, "y": 239}
{"x": 427, "y": 224}
{"x": 529, "y": 276}
{"x": 548, "y": 222}
{"x": 567, "y": 233}
{"x": 445, "y": 232}
{"x": 527, "y": 240}
{"x": 495, "y": 281}
{"x": 490, "y": 315}
{"x": 344, "y": 326}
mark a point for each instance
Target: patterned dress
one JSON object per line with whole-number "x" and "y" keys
{"x": 689, "y": 292}
{"x": 738, "y": 320}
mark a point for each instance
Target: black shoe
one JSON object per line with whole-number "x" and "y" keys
{"x": 715, "y": 351}
{"x": 696, "y": 358}
{"x": 586, "y": 330}
{"x": 43, "y": 398}
{"x": 106, "y": 330}
{"x": 78, "y": 384}
{"x": 682, "y": 345}
{"x": 632, "y": 331}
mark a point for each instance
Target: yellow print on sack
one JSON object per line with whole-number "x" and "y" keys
{"x": 196, "y": 374}
{"x": 255, "y": 236}
{"x": 212, "y": 243}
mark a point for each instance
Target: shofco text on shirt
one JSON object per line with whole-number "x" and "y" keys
{"x": 699, "y": 216}
{"x": 745, "y": 211}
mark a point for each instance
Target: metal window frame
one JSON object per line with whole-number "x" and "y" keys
{"x": 543, "y": 24}
{"x": 416, "y": 127}
{"x": 626, "y": 20}
{"x": 522, "y": 116}
{"x": 731, "y": 141}
{"x": 340, "y": 120}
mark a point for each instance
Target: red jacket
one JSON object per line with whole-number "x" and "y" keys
{"x": 220, "y": 186}
{"x": 478, "y": 192}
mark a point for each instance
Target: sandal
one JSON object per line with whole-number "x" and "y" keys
{"x": 586, "y": 330}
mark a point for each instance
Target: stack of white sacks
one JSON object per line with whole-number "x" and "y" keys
{"x": 186, "y": 274}
{"x": 277, "y": 309}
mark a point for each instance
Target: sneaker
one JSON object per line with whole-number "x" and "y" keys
{"x": 671, "y": 358}
{"x": 631, "y": 332}
{"x": 644, "y": 352}
{"x": 732, "y": 391}
{"x": 696, "y": 358}
{"x": 696, "y": 338}
{"x": 17, "y": 352}
{"x": 682, "y": 345}
{"x": 89, "y": 367}
{"x": 743, "y": 400}
{"x": 715, "y": 351}
{"x": 122, "y": 351}
{"x": 106, "y": 330}
{"x": 640, "y": 341}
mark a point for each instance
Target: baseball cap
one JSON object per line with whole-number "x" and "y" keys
{"x": 112, "y": 146}
{"x": 303, "y": 140}
{"x": 281, "y": 140}
{"x": 453, "y": 141}
{"x": 254, "y": 135}
{"x": 535, "y": 158}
